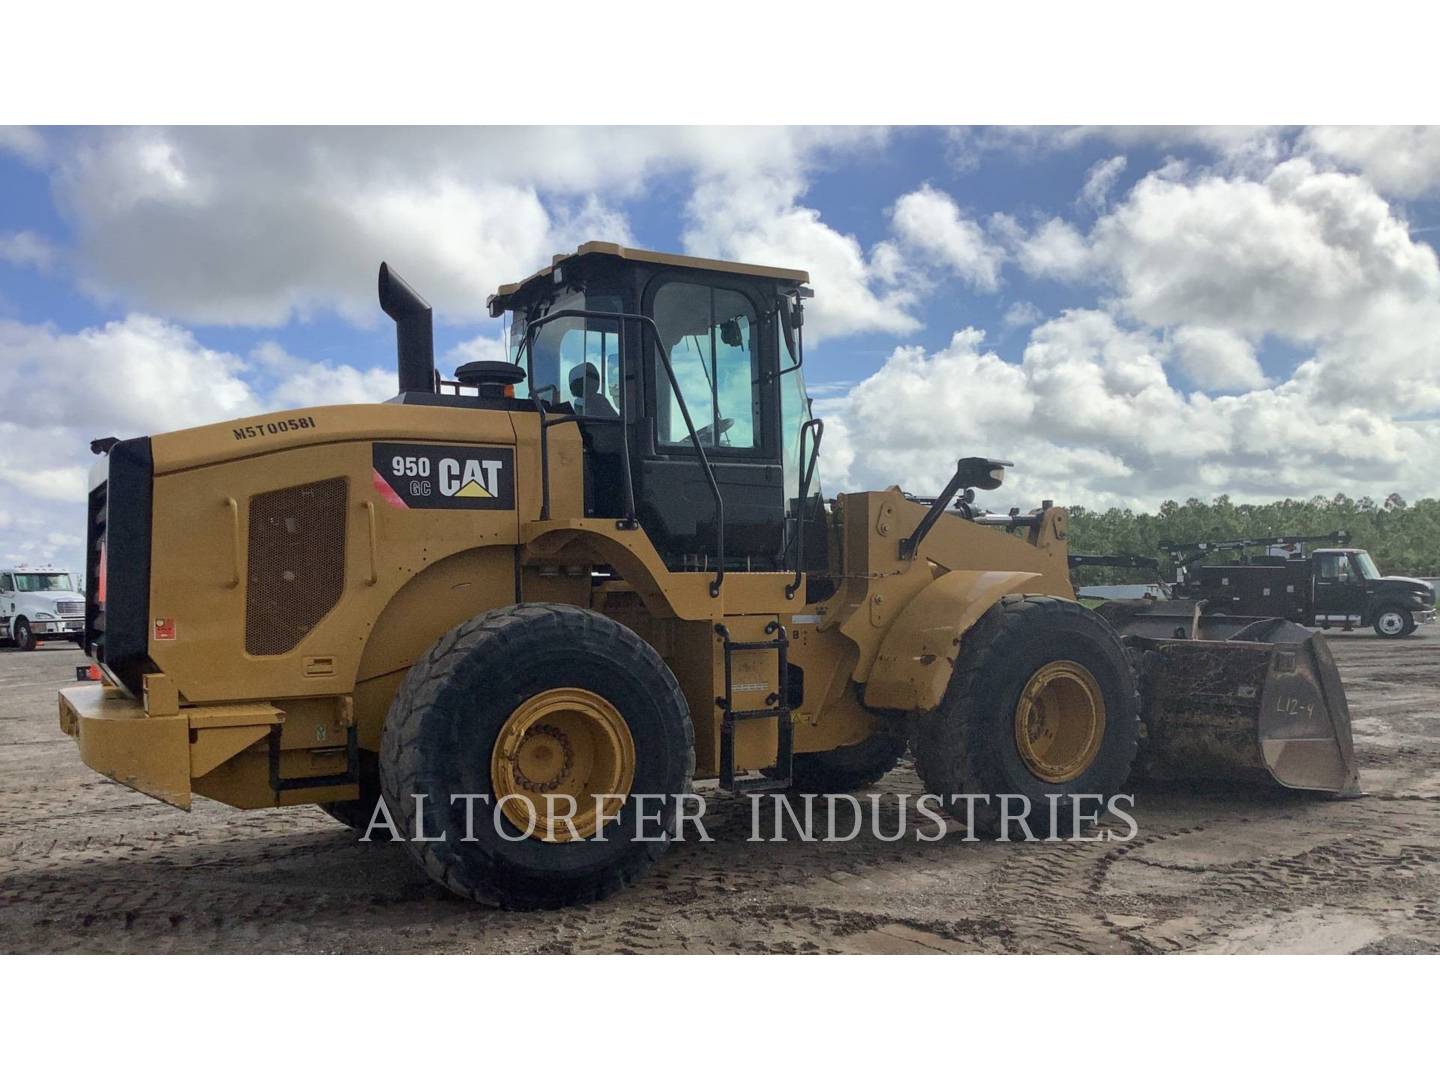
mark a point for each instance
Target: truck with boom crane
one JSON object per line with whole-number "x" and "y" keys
{"x": 1328, "y": 586}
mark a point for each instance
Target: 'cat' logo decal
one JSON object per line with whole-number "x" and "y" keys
{"x": 427, "y": 477}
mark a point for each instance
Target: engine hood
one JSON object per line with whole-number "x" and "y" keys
{"x": 46, "y": 599}
{"x": 1405, "y": 584}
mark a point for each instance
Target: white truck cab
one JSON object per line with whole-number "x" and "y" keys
{"x": 39, "y": 604}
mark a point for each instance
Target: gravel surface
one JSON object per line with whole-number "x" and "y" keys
{"x": 87, "y": 865}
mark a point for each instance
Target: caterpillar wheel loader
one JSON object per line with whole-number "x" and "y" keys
{"x": 530, "y": 605}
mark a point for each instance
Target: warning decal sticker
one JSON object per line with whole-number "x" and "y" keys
{"x": 428, "y": 477}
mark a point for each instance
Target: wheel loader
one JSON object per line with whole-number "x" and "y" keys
{"x": 517, "y": 611}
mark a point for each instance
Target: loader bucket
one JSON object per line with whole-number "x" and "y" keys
{"x": 1230, "y": 698}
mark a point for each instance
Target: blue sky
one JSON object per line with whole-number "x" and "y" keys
{"x": 1129, "y": 314}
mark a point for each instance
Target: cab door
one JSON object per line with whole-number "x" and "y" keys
{"x": 1339, "y": 589}
{"x": 7, "y": 603}
{"x": 720, "y": 340}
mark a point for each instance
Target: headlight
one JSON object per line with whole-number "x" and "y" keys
{"x": 45, "y": 616}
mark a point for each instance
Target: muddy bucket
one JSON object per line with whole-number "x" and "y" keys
{"x": 1229, "y": 698}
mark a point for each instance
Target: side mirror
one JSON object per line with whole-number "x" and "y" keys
{"x": 986, "y": 474}
{"x": 971, "y": 472}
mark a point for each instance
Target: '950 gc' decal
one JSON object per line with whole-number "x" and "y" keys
{"x": 426, "y": 477}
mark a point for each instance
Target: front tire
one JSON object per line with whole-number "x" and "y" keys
{"x": 1042, "y": 703}
{"x": 524, "y": 701}
{"x": 1393, "y": 622}
{"x": 24, "y": 636}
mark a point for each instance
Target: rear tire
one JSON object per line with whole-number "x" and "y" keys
{"x": 972, "y": 743}
{"x": 24, "y": 636}
{"x": 1393, "y": 622}
{"x": 451, "y": 730}
{"x": 846, "y": 768}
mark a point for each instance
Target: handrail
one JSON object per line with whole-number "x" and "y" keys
{"x": 807, "y": 473}
{"x": 645, "y": 321}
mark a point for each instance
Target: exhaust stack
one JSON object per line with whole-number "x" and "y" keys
{"x": 414, "y": 332}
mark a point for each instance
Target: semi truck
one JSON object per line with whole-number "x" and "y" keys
{"x": 39, "y": 604}
{"x": 1331, "y": 586}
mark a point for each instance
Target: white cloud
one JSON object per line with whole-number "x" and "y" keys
{"x": 1218, "y": 359}
{"x": 1021, "y": 313}
{"x": 484, "y": 347}
{"x": 1056, "y": 249}
{"x": 1099, "y": 180}
{"x": 139, "y": 374}
{"x": 1238, "y": 148}
{"x": 758, "y": 217}
{"x": 254, "y": 226}
{"x": 929, "y": 222}
{"x": 26, "y": 248}
{"x": 24, "y": 142}
{"x": 1302, "y": 253}
{"x": 300, "y": 382}
{"x": 136, "y": 376}
{"x": 1088, "y": 415}
{"x": 1314, "y": 258}
{"x": 1398, "y": 160}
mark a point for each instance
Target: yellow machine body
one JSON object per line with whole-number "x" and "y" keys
{"x": 220, "y": 715}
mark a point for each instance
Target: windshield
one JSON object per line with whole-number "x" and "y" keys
{"x": 43, "y": 583}
{"x": 1366, "y": 565}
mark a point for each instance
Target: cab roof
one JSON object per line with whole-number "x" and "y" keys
{"x": 687, "y": 262}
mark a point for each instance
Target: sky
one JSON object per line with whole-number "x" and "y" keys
{"x": 1128, "y": 314}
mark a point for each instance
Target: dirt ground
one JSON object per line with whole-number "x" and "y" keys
{"x": 89, "y": 866}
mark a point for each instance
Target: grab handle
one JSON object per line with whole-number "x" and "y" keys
{"x": 234, "y": 508}
{"x": 374, "y": 574}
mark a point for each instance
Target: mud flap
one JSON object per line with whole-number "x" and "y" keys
{"x": 1234, "y": 699}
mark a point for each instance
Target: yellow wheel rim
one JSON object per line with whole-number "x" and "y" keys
{"x": 568, "y": 744}
{"x": 1059, "y": 721}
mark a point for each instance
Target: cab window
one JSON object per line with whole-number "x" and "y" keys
{"x": 1333, "y": 567}
{"x": 710, "y": 336}
{"x": 576, "y": 361}
{"x": 6, "y": 585}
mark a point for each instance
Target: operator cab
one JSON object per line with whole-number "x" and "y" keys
{"x": 731, "y": 399}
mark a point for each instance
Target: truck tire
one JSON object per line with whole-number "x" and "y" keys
{"x": 846, "y": 768}
{"x": 1042, "y": 703}
{"x": 526, "y": 701}
{"x": 23, "y": 635}
{"x": 1393, "y": 622}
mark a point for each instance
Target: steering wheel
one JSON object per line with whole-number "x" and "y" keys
{"x": 704, "y": 434}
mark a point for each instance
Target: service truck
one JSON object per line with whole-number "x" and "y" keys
{"x": 1325, "y": 586}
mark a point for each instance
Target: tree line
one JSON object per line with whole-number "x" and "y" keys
{"x": 1403, "y": 538}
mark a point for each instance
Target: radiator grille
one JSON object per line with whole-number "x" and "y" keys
{"x": 70, "y": 609}
{"x": 295, "y": 570}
